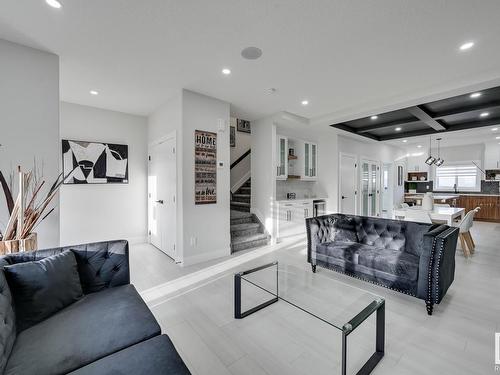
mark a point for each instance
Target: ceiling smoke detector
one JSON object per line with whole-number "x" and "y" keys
{"x": 251, "y": 53}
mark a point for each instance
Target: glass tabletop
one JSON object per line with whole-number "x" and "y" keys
{"x": 336, "y": 303}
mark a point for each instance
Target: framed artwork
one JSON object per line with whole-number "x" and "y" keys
{"x": 94, "y": 162}
{"x": 232, "y": 136}
{"x": 243, "y": 125}
{"x": 205, "y": 167}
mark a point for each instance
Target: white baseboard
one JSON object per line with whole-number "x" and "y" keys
{"x": 241, "y": 182}
{"x": 200, "y": 258}
{"x": 137, "y": 240}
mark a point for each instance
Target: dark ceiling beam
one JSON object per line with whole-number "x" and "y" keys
{"x": 414, "y": 133}
{"x": 419, "y": 113}
{"x": 352, "y": 130}
{"x": 475, "y": 124}
{"x": 479, "y": 107}
{"x": 401, "y": 123}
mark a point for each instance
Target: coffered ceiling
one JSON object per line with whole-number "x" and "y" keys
{"x": 468, "y": 111}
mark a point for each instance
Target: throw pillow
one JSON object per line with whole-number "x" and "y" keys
{"x": 42, "y": 288}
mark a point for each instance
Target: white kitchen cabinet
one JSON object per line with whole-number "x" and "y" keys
{"x": 492, "y": 155}
{"x": 281, "y": 158}
{"x": 310, "y": 161}
{"x": 292, "y": 216}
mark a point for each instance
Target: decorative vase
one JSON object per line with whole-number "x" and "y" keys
{"x": 428, "y": 202}
{"x": 15, "y": 246}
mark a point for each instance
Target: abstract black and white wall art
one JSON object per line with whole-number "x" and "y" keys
{"x": 94, "y": 162}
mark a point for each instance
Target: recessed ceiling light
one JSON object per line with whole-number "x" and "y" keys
{"x": 404, "y": 140}
{"x": 374, "y": 117}
{"x": 398, "y": 129}
{"x": 466, "y": 46}
{"x": 226, "y": 71}
{"x": 251, "y": 53}
{"x": 94, "y": 92}
{"x": 304, "y": 102}
{"x": 497, "y": 137}
{"x": 54, "y": 3}
{"x": 475, "y": 95}
{"x": 484, "y": 114}
{"x": 419, "y": 146}
{"x": 494, "y": 129}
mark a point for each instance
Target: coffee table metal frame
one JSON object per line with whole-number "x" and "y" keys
{"x": 377, "y": 306}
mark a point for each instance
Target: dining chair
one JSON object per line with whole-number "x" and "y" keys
{"x": 419, "y": 216}
{"x": 475, "y": 210}
{"x": 405, "y": 205}
{"x": 464, "y": 227}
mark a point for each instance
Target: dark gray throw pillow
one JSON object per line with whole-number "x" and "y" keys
{"x": 42, "y": 288}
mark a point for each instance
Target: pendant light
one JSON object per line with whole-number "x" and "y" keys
{"x": 431, "y": 159}
{"x": 439, "y": 161}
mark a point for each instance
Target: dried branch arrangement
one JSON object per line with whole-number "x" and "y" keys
{"x": 30, "y": 207}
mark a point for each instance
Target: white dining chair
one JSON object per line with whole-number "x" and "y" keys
{"x": 419, "y": 216}
{"x": 464, "y": 227}
{"x": 405, "y": 205}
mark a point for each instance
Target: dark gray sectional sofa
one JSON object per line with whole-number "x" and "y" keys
{"x": 109, "y": 330}
{"x": 412, "y": 258}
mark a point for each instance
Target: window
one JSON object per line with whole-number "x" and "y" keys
{"x": 465, "y": 175}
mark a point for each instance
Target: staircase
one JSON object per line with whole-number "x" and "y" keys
{"x": 246, "y": 230}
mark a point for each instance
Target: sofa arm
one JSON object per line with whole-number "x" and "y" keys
{"x": 100, "y": 264}
{"x": 319, "y": 229}
{"x": 437, "y": 264}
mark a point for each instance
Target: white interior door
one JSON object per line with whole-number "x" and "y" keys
{"x": 370, "y": 188}
{"x": 386, "y": 196}
{"x": 348, "y": 184}
{"x": 162, "y": 197}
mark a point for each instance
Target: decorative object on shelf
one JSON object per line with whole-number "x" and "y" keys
{"x": 232, "y": 136}
{"x": 439, "y": 162}
{"x": 94, "y": 162}
{"x": 28, "y": 210}
{"x": 428, "y": 202}
{"x": 205, "y": 167}
{"x": 431, "y": 159}
{"x": 243, "y": 125}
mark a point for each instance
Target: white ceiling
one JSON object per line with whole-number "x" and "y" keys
{"x": 344, "y": 56}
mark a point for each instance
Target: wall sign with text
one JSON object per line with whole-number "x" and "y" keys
{"x": 205, "y": 167}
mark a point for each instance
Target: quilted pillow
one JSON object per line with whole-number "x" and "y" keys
{"x": 42, "y": 288}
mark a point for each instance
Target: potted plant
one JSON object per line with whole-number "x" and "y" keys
{"x": 26, "y": 211}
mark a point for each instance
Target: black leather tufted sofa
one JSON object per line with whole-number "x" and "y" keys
{"x": 412, "y": 258}
{"x": 110, "y": 330}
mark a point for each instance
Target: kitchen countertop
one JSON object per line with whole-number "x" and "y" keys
{"x": 301, "y": 199}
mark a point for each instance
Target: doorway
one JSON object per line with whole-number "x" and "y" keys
{"x": 370, "y": 188}
{"x": 348, "y": 183}
{"x": 386, "y": 197}
{"x": 162, "y": 190}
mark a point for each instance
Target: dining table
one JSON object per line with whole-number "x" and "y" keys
{"x": 438, "y": 213}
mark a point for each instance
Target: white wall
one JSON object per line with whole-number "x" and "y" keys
{"x": 29, "y": 122}
{"x": 206, "y": 226}
{"x": 105, "y": 211}
{"x": 203, "y": 231}
{"x": 262, "y": 170}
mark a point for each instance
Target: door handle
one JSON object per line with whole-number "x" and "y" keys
{"x": 343, "y": 197}
{"x": 160, "y": 201}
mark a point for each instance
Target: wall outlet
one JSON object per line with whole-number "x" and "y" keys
{"x": 193, "y": 241}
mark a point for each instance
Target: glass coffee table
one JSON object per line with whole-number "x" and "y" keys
{"x": 335, "y": 303}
